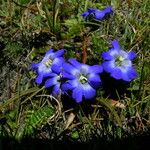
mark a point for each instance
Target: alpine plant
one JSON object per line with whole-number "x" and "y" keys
{"x": 96, "y": 14}
{"x": 118, "y": 63}
{"x": 81, "y": 79}
{"x": 44, "y": 68}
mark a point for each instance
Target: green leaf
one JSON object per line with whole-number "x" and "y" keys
{"x": 74, "y": 27}
{"x": 75, "y": 135}
{"x": 106, "y": 103}
{"x": 17, "y": 97}
{"x": 36, "y": 119}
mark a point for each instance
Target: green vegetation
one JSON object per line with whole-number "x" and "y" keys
{"x": 29, "y": 28}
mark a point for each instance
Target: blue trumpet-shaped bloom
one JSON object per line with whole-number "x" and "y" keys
{"x": 97, "y": 14}
{"x": 51, "y": 60}
{"x": 54, "y": 81}
{"x": 82, "y": 79}
{"x": 119, "y": 63}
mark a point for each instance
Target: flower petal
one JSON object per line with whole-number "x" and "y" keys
{"x": 116, "y": 73}
{"x": 59, "y": 53}
{"x": 133, "y": 73}
{"x": 91, "y": 10}
{"x": 51, "y": 74}
{"x": 123, "y": 53}
{"x": 39, "y": 79}
{"x": 43, "y": 69}
{"x": 88, "y": 91}
{"x": 107, "y": 56}
{"x": 85, "y": 14}
{"x": 96, "y": 69}
{"x": 114, "y": 52}
{"x": 34, "y": 66}
{"x": 108, "y": 9}
{"x": 67, "y": 86}
{"x": 75, "y": 63}
{"x": 130, "y": 74}
{"x": 125, "y": 65}
{"x": 108, "y": 66}
{"x": 125, "y": 77}
{"x": 94, "y": 80}
{"x": 49, "y": 51}
{"x": 85, "y": 69}
{"x": 99, "y": 15}
{"x": 74, "y": 83}
{"x": 115, "y": 44}
{"x": 68, "y": 76}
{"x": 56, "y": 90}
{"x": 55, "y": 68}
{"x": 131, "y": 55}
{"x": 58, "y": 61}
{"x": 77, "y": 94}
{"x": 50, "y": 82}
{"x": 70, "y": 69}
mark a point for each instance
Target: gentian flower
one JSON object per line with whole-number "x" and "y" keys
{"x": 119, "y": 63}
{"x": 97, "y": 14}
{"x": 82, "y": 79}
{"x": 54, "y": 80}
{"x": 44, "y": 68}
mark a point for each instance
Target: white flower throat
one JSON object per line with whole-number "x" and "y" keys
{"x": 48, "y": 62}
{"x": 119, "y": 60}
{"x": 83, "y": 79}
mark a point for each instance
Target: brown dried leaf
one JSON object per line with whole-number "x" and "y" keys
{"x": 69, "y": 120}
{"x": 117, "y": 104}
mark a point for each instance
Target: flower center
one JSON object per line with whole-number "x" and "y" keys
{"x": 82, "y": 79}
{"x": 48, "y": 62}
{"x": 59, "y": 77}
{"x": 119, "y": 60}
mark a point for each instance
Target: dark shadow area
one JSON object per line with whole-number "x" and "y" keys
{"x": 113, "y": 88}
{"x": 139, "y": 142}
{"x": 40, "y": 39}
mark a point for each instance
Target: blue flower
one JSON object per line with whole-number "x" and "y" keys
{"x": 51, "y": 60}
{"x": 82, "y": 79}
{"x": 119, "y": 63}
{"x": 54, "y": 79}
{"x": 54, "y": 82}
{"x": 97, "y": 14}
